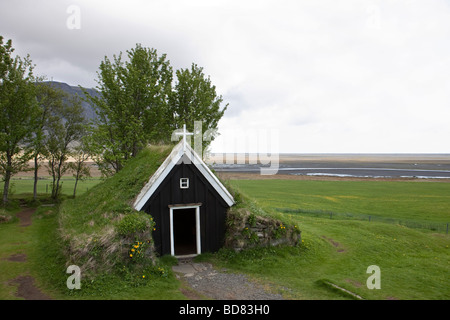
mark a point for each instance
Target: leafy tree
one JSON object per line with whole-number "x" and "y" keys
{"x": 194, "y": 98}
{"x": 138, "y": 105}
{"x": 79, "y": 167}
{"x": 49, "y": 99}
{"x": 18, "y": 109}
{"x": 66, "y": 127}
{"x": 133, "y": 104}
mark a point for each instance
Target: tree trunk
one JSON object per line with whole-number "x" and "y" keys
{"x": 57, "y": 188}
{"x": 77, "y": 176}
{"x": 36, "y": 167}
{"x": 75, "y": 187}
{"x": 52, "y": 171}
{"x": 54, "y": 187}
{"x": 58, "y": 176}
{"x": 6, "y": 187}
{"x": 7, "y": 178}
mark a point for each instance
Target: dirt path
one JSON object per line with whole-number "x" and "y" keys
{"x": 26, "y": 288}
{"x": 25, "y": 216}
{"x": 202, "y": 281}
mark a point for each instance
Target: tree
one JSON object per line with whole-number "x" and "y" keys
{"x": 49, "y": 99}
{"x": 18, "y": 109}
{"x": 133, "y": 105}
{"x": 138, "y": 105}
{"x": 67, "y": 126}
{"x": 194, "y": 98}
{"x": 79, "y": 167}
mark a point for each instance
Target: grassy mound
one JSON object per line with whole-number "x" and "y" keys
{"x": 101, "y": 229}
{"x": 248, "y": 225}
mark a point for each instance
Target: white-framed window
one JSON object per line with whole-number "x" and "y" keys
{"x": 184, "y": 183}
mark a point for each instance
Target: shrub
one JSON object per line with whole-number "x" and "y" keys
{"x": 133, "y": 223}
{"x": 245, "y": 229}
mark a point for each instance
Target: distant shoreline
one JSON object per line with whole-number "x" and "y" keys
{"x": 228, "y": 175}
{"x": 362, "y": 157}
{"x": 322, "y": 166}
{"x": 351, "y": 166}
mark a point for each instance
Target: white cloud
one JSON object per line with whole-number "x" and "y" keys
{"x": 330, "y": 76}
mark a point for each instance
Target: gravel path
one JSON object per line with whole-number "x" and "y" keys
{"x": 204, "y": 280}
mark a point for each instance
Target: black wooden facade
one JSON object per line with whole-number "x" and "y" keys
{"x": 200, "y": 194}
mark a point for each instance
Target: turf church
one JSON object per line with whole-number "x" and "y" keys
{"x": 187, "y": 202}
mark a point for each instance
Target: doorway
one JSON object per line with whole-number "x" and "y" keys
{"x": 185, "y": 230}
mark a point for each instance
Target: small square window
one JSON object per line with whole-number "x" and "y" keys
{"x": 184, "y": 183}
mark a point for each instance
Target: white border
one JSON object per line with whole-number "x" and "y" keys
{"x": 186, "y": 182}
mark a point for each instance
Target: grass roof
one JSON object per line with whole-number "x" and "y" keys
{"x": 99, "y": 226}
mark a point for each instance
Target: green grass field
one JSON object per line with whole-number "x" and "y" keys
{"x": 420, "y": 203}
{"x": 21, "y": 186}
{"x": 414, "y": 262}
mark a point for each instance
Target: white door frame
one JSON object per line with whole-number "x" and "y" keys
{"x": 197, "y": 227}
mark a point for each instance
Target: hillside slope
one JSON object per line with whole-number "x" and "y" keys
{"x": 89, "y": 112}
{"x": 93, "y": 227}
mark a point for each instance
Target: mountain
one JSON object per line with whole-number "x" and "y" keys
{"x": 89, "y": 112}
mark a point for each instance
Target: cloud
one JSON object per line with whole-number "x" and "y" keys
{"x": 347, "y": 76}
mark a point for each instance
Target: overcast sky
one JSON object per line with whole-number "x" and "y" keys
{"x": 316, "y": 76}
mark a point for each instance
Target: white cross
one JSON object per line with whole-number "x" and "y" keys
{"x": 184, "y": 133}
